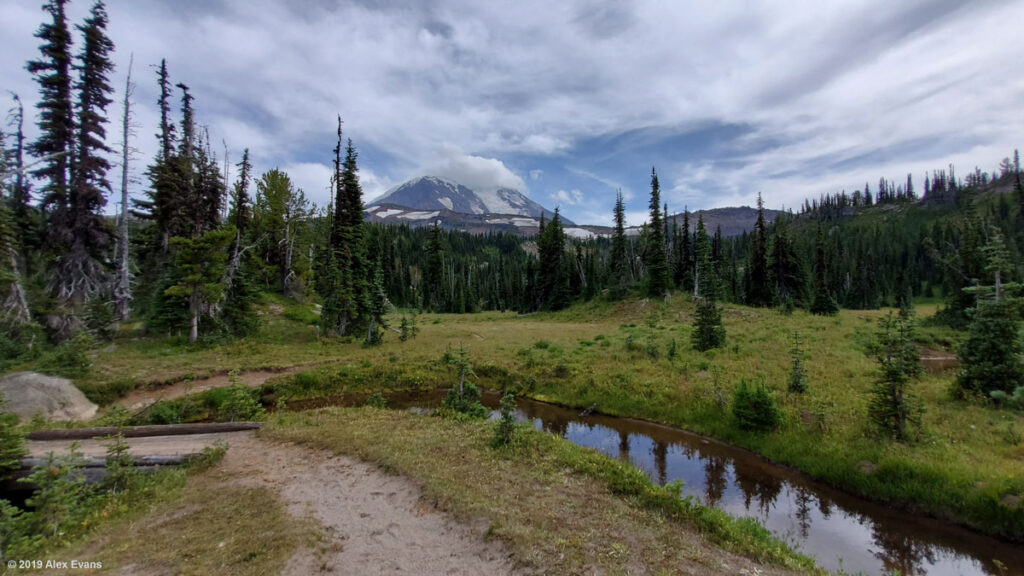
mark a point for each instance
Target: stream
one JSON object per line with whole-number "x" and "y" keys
{"x": 842, "y": 532}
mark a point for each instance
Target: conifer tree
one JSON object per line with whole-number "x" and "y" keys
{"x": 552, "y": 280}
{"x": 786, "y": 267}
{"x": 83, "y": 232}
{"x": 618, "y": 263}
{"x": 433, "y": 274}
{"x": 683, "y": 272}
{"x": 348, "y": 304}
{"x": 240, "y": 213}
{"x": 892, "y": 406}
{"x": 705, "y": 284}
{"x": 990, "y": 358}
{"x": 165, "y": 200}
{"x": 797, "y": 381}
{"x": 758, "y": 287}
{"x": 824, "y": 304}
{"x": 55, "y": 144}
{"x": 654, "y": 253}
{"x": 199, "y": 267}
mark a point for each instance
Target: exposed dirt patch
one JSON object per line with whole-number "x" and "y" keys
{"x": 141, "y": 398}
{"x": 372, "y": 523}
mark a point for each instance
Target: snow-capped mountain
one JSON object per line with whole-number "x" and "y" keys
{"x": 430, "y": 193}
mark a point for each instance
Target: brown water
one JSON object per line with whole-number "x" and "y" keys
{"x": 840, "y": 531}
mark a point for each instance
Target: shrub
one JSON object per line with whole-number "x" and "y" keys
{"x": 12, "y": 443}
{"x": 468, "y": 402}
{"x": 754, "y": 409}
{"x": 506, "y": 425}
{"x": 69, "y": 359}
{"x": 241, "y": 404}
{"x": 377, "y": 400}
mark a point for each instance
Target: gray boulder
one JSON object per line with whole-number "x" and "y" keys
{"x": 29, "y": 393}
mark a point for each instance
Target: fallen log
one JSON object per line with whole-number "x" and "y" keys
{"x": 144, "y": 431}
{"x": 156, "y": 460}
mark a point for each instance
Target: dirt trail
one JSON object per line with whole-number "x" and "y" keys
{"x": 143, "y": 397}
{"x": 372, "y": 522}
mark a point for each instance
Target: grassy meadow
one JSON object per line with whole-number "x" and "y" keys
{"x": 633, "y": 358}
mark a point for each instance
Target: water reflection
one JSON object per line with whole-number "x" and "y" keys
{"x": 840, "y": 531}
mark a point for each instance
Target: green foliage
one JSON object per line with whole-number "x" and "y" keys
{"x": 377, "y": 400}
{"x": 465, "y": 401}
{"x": 708, "y": 331}
{"x": 99, "y": 318}
{"x": 199, "y": 267}
{"x": 237, "y": 311}
{"x": 1015, "y": 400}
{"x": 797, "y": 382}
{"x": 892, "y": 406}
{"x": 241, "y": 403}
{"x": 12, "y": 443}
{"x": 20, "y": 343}
{"x": 990, "y": 358}
{"x": 754, "y": 408}
{"x": 60, "y": 489}
{"x": 70, "y": 359}
{"x": 506, "y": 424}
{"x": 120, "y": 467}
{"x": 654, "y": 251}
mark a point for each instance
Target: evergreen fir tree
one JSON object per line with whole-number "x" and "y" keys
{"x": 620, "y": 279}
{"x": 708, "y": 331}
{"x": 786, "y": 267}
{"x": 80, "y": 273}
{"x": 199, "y": 267}
{"x": 654, "y": 253}
{"x": 552, "y": 280}
{"x": 758, "y": 286}
{"x": 705, "y": 284}
{"x": 823, "y": 304}
{"x": 683, "y": 273}
{"x": 55, "y": 145}
{"x": 892, "y": 406}
{"x": 797, "y": 381}
{"x": 433, "y": 274}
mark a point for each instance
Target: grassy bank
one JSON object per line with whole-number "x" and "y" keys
{"x": 561, "y": 508}
{"x": 208, "y": 526}
{"x": 966, "y": 464}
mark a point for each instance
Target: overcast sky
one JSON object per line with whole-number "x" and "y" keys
{"x": 568, "y": 101}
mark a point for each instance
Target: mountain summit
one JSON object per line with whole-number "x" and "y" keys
{"x": 433, "y": 193}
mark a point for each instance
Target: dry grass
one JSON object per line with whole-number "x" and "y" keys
{"x": 211, "y": 527}
{"x": 555, "y": 519}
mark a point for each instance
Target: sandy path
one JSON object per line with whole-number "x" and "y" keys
{"x": 372, "y": 522}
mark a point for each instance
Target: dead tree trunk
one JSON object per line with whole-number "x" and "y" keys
{"x": 123, "y": 282}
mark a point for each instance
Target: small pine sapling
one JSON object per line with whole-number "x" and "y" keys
{"x": 506, "y": 425}
{"x": 797, "y": 381}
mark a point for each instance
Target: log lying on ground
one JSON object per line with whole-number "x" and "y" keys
{"x": 143, "y": 431}
{"x": 94, "y": 470}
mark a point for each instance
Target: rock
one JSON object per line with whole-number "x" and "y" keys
{"x": 29, "y": 393}
{"x": 1011, "y": 501}
{"x": 867, "y": 467}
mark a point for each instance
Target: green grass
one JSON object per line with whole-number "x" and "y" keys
{"x": 963, "y": 464}
{"x": 558, "y": 506}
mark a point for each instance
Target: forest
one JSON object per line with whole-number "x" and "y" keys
{"x": 191, "y": 269}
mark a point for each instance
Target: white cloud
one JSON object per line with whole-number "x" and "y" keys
{"x": 474, "y": 172}
{"x": 536, "y": 174}
{"x": 571, "y": 197}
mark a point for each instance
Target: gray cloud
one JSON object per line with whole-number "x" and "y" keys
{"x": 460, "y": 85}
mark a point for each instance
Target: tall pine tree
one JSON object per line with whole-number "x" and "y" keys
{"x": 619, "y": 264}
{"x": 654, "y": 255}
{"x": 758, "y": 286}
